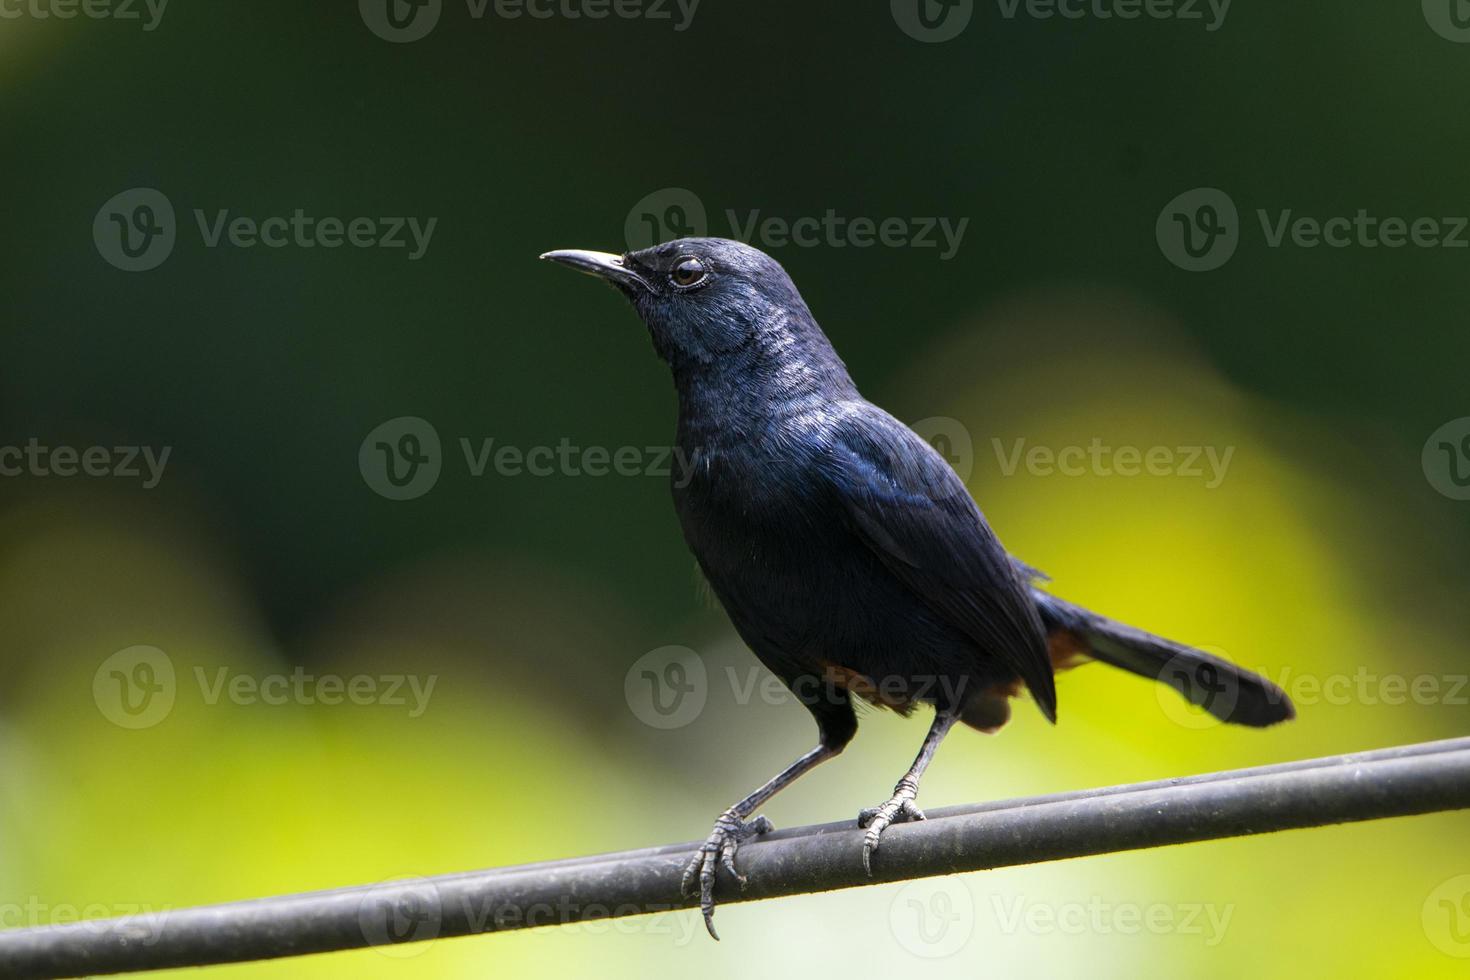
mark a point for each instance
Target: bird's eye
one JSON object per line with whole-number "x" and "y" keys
{"x": 688, "y": 272}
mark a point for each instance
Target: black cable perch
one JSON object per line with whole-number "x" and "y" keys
{"x": 1395, "y": 782}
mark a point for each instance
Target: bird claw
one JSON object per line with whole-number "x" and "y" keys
{"x": 879, "y": 818}
{"x": 718, "y": 851}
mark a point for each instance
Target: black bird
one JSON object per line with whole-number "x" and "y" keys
{"x": 846, "y": 551}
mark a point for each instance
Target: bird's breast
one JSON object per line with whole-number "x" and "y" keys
{"x": 746, "y": 491}
{"x": 755, "y": 506}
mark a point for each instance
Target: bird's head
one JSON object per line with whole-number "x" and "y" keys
{"x": 709, "y": 302}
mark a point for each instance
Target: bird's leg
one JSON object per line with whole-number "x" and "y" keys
{"x": 901, "y": 806}
{"x": 731, "y": 829}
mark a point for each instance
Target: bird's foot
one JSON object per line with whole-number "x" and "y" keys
{"x": 878, "y": 819}
{"x": 719, "y": 851}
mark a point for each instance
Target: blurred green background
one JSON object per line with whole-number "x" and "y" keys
{"x": 1325, "y": 556}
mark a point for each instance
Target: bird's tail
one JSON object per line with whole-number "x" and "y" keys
{"x": 1226, "y": 691}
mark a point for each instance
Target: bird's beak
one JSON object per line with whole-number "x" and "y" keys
{"x": 604, "y": 264}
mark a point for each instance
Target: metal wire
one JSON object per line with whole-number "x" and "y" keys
{"x": 1394, "y": 782}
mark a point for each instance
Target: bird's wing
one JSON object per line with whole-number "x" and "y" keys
{"x": 913, "y": 511}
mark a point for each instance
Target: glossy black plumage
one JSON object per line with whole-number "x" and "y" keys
{"x": 848, "y": 554}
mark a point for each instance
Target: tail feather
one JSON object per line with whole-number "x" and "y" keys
{"x": 1230, "y": 693}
